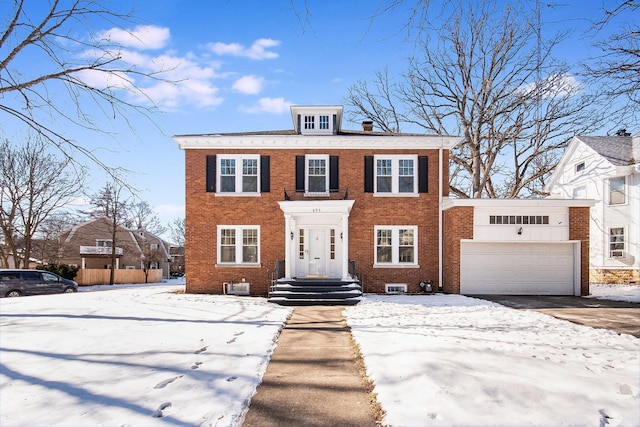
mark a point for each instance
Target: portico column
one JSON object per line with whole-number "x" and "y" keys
{"x": 345, "y": 247}
{"x": 287, "y": 246}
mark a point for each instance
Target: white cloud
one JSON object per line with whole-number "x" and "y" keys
{"x": 269, "y": 105}
{"x": 258, "y": 50}
{"x": 141, "y": 37}
{"x": 555, "y": 85}
{"x": 250, "y": 85}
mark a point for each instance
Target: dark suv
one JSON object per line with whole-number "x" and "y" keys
{"x": 14, "y": 283}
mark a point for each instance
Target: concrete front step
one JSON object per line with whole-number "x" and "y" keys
{"x": 315, "y": 291}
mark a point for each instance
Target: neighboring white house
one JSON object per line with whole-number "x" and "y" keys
{"x": 606, "y": 169}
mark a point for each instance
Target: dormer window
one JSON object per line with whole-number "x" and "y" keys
{"x": 309, "y": 122}
{"x": 317, "y": 120}
{"x": 324, "y": 122}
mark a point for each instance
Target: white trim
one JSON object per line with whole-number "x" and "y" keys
{"x": 520, "y": 203}
{"x": 395, "y": 174}
{"x": 238, "y": 244}
{"x": 395, "y": 246}
{"x": 327, "y": 172}
{"x": 321, "y": 142}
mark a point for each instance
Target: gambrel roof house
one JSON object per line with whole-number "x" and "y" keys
{"x": 606, "y": 169}
{"x": 323, "y": 212}
{"x": 88, "y": 246}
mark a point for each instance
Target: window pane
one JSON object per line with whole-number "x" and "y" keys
{"x": 384, "y": 238}
{"x": 616, "y": 191}
{"x": 250, "y": 167}
{"x": 228, "y": 254}
{"x": 227, "y": 184}
{"x": 384, "y": 254}
{"x": 324, "y": 122}
{"x": 405, "y": 184}
{"x": 616, "y": 238}
{"x": 405, "y": 180}
{"x": 249, "y": 184}
{"x": 406, "y": 255}
{"x": 317, "y": 184}
{"x": 250, "y": 254}
{"x": 406, "y": 237}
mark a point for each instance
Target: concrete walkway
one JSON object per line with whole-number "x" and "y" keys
{"x": 312, "y": 378}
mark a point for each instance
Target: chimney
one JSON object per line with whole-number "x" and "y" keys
{"x": 367, "y": 126}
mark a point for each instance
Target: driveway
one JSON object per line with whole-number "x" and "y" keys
{"x": 621, "y": 317}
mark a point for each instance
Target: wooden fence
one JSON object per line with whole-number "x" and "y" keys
{"x": 101, "y": 276}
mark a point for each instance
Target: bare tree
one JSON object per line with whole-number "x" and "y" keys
{"x": 177, "y": 231}
{"x": 616, "y": 71}
{"x": 152, "y": 256}
{"x": 70, "y": 54}
{"x": 49, "y": 247}
{"x": 486, "y": 76}
{"x": 33, "y": 186}
{"x": 112, "y": 201}
{"x": 142, "y": 216}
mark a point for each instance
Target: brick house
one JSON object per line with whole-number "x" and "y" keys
{"x": 324, "y": 201}
{"x": 282, "y": 212}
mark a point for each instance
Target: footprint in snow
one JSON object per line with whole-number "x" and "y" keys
{"x": 231, "y": 379}
{"x": 231, "y": 341}
{"x": 203, "y": 349}
{"x": 163, "y": 410}
{"x": 163, "y": 384}
{"x": 196, "y": 365}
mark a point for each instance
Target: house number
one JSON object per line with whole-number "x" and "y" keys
{"x": 315, "y": 210}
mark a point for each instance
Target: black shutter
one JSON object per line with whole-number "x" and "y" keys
{"x": 300, "y": 173}
{"x": 265, "y": 174}
{"x": 368, "y": 174}
{"x": 423, "y": 174}
{"x": 211, "y": 174}
{"x": 334, "y": 184}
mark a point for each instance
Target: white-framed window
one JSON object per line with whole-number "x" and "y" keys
{"x": 309, "y": 122}
{"x": 396, "y": 245}
{"x": 104, "y": 243}
{"x": 396, "y": 174}
{"x": 153, "y": 266}
{"x": 238, "y": 244}
{"x": 579, "y": 167}
{"x": 238, "y": 173}
{"x": 317, "y": 173}
{"x": 616, "y": 242}
{"x": 324, "y": 122}
{"x": 580, "y": 192}
{"x": 617, "y": 190}
{"x": 153, "y": 246}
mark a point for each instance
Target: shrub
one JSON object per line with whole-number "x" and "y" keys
{"x": 65, "y": 270}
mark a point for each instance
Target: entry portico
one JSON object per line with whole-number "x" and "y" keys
{"x": 316, "y": 238}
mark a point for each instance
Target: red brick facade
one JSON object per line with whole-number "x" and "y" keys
{"x": 206, "y": 210}
{"x": 579, "y": 220}
{"x": 458, "y": 224}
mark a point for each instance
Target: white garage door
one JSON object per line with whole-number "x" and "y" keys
{"x": 517, "y": 268}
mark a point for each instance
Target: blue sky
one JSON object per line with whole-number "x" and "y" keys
{"x": 239, "y": 64}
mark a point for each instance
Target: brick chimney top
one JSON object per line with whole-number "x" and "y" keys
{"x": 367, "y": 125}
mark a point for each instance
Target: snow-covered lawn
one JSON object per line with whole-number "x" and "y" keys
{"x": 148, "y": 356}
{"x": 445, "y": 360}
{"x": 133, "y": 356}
{"x": 629, "y": 293}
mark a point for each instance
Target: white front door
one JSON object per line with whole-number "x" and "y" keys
{"x": 317, "y": 258}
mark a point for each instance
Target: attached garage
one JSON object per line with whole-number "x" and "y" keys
{"x": 516, "y": 246}
{"x": 521, "y": 268}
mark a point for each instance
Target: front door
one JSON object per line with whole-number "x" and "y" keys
{"x": 317, "y": 260}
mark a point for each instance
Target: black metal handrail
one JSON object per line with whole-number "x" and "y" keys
{"x": 336, "y": 194}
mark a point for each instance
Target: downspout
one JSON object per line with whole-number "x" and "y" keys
{"x": 440, "y": 233}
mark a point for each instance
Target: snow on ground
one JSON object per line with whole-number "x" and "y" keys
{"x": 133, "y": 356}
{"x": 147, "y": 355}
{"x": 443, "y": 360}
{"x": 629, "y": 293}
